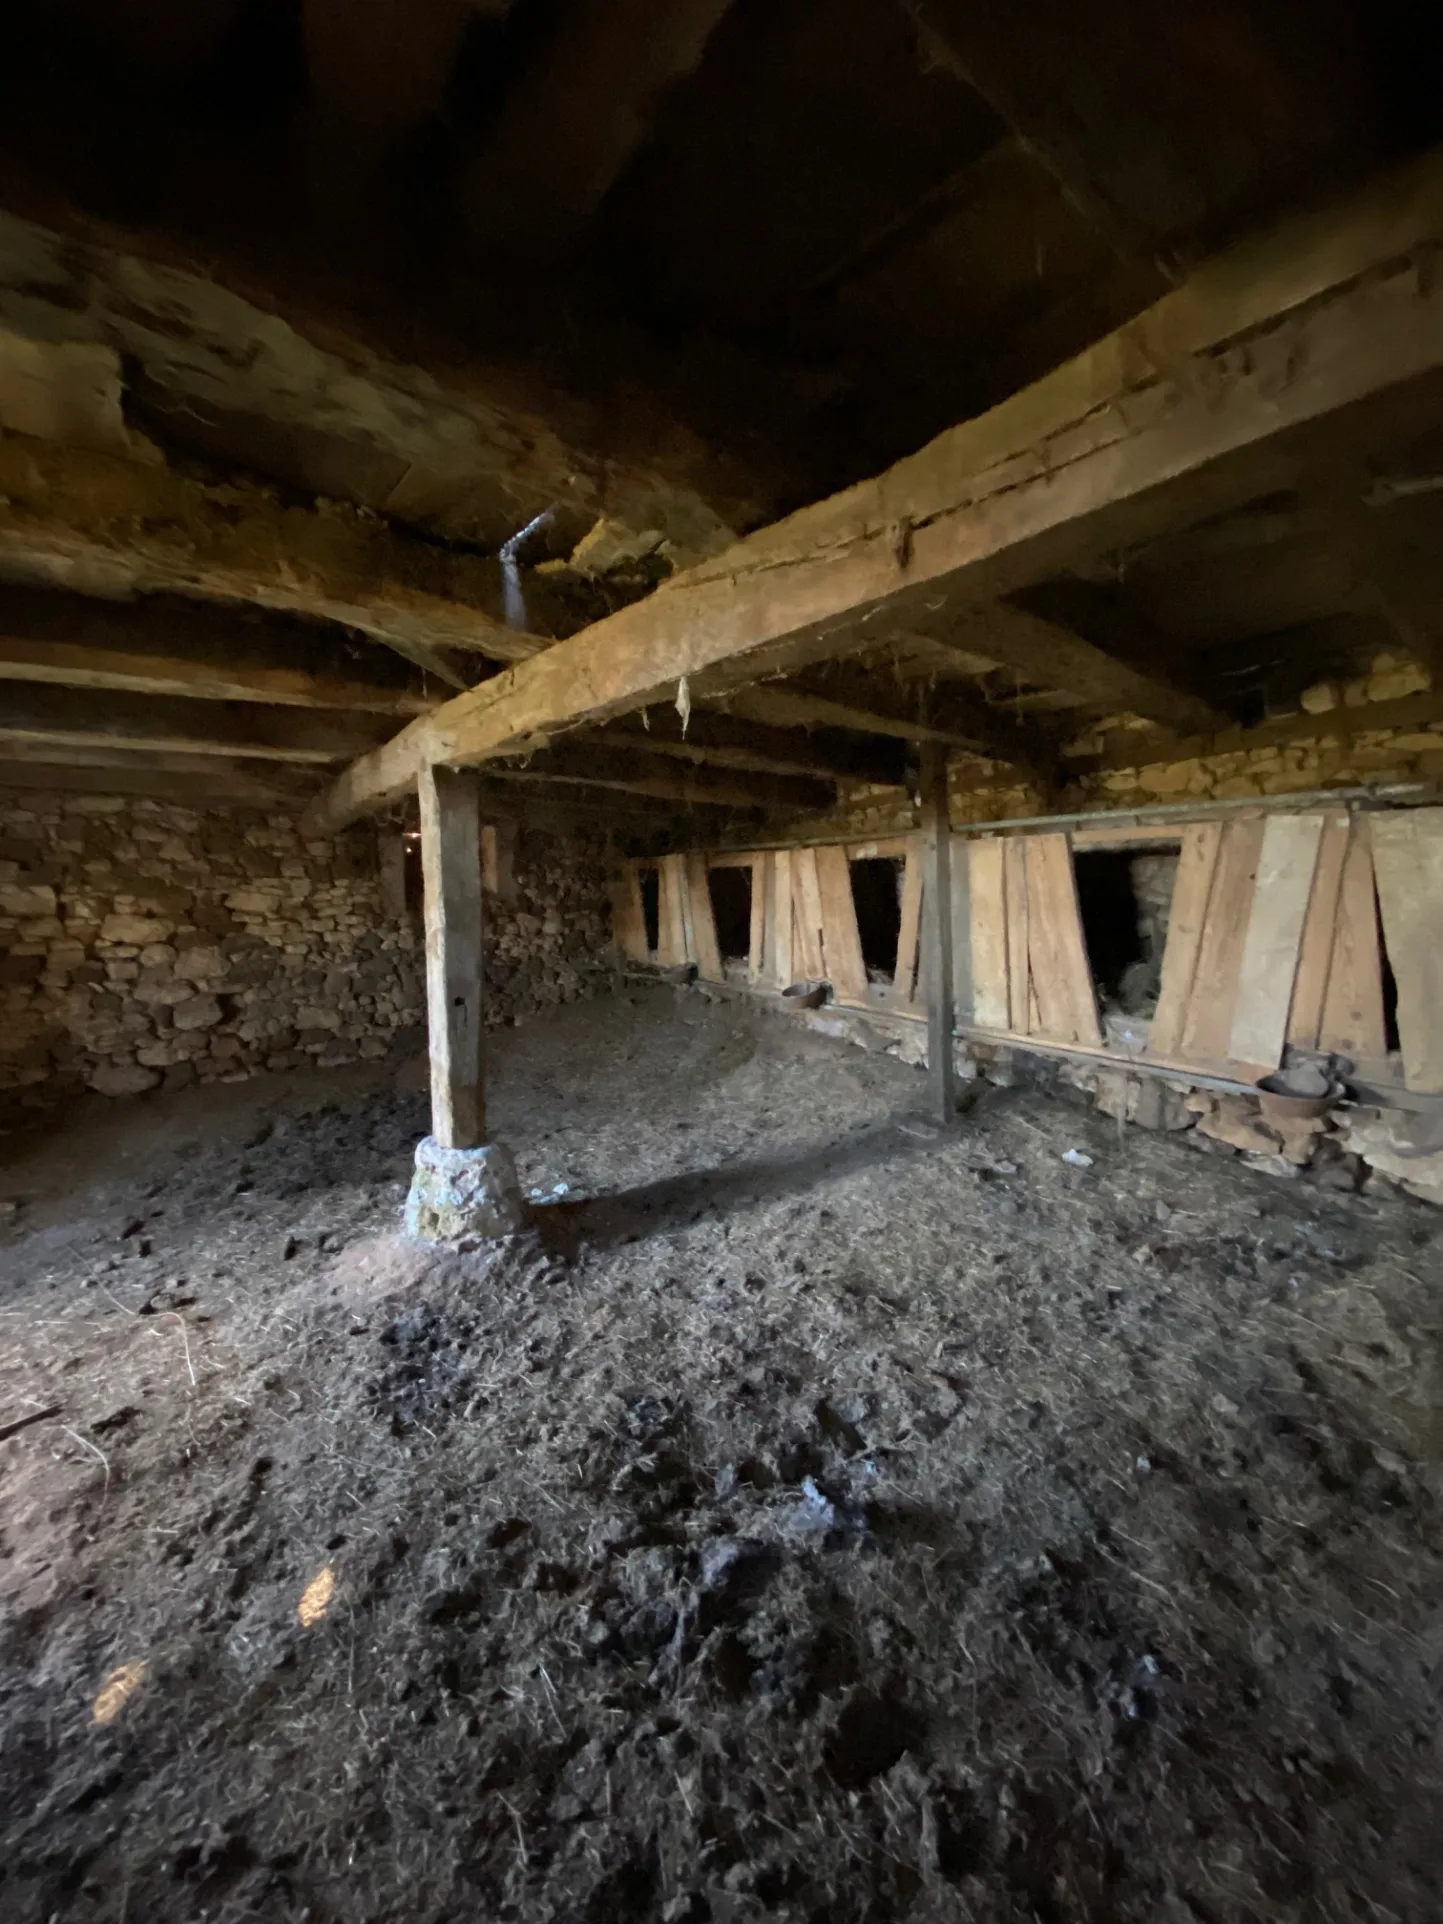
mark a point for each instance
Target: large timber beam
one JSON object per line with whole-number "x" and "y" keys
{"x": 179, "y": 649}
{"x": 78, "y": 718}
{"x": 117, "y": 528}
{"x": 1176, "y": 415}
{"x": 595, "y": 765}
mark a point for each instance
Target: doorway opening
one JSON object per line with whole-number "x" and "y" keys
{"x": 650, "y": 881}
{"x": 1125, "y": 897}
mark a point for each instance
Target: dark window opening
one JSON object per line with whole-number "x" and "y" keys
{"x": 1390, "y": 991}
{"x": 1125, "y": 896}
{"x": 731, "y": 907}
{"x": 415, "y": 881}
{"x": 650, "y": 879}
{"x": 877, "y": 894}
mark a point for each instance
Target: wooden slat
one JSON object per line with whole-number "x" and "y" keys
{"x": 935, "y": 858}
{"x": 706, "y": 951}
{"x": 1208, "y": 1030}
{"x": 841, "y": 941}
{"x": 1353, "y": 1019}
{"x": 779, "y": 909}
{"x": 1186, "y": 919}
{"x": 1305, "y": 1017}
{"x": 756, "y": 944}
{"x": 671, "y": 946}
{"x": 962, "y": 994}
{"x": 451, "y": 866}
{"x": 628, "y": 915}
{"x": 1019, "y": 976}
{"x": 1274, "y": 938}
{"x": 807, "y": 902}
{"x": 904, "y": 976}
{"x": 1061, "y": 975}
{"x": 1408, "y": 858}
{"x": 988, "y": 905}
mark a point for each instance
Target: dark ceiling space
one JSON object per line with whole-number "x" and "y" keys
{"x": 817, "y": 231}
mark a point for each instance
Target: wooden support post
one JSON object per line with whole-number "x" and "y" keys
{"x": 451, "y": 866}
{"x": 937, "y": 931}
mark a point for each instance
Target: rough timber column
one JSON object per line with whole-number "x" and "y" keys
{"x": 937, "y": 932}
{"x": 464, "y": 1191}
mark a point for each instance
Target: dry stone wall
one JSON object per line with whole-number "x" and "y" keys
{"x": 145, "y": 945}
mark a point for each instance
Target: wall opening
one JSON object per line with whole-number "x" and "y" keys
{"x": 877, "y": 895}
{"x": 731, "y": 907}
{"x": 1125, "y": 896}
{"x": 650, "y": 880}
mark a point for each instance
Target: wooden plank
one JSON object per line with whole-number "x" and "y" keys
{"x": 756, "y": 942}
{"x": 1187, "y": 916}
{"x": 1408, "y": 859}
{"x": 1061, "y": 975}
{"x": 779, "y": 907}
{"x": 703, "y": 921}
{"x": 841, "y": 940}
{"x": 1353, "y": 1016}
{"x": 988, "y": 904}
{"x": 1305, "y": 1017}
{"x": 1274, "y": 938}
{"x": 962, "y": 993}
{"x": 629, "y": 916}
{"x": 807, "y": 905}
{"x": 1207, "y": 1032}
{"x": 1019, "y": 975}
{"x": 1148, "y": 429}
{"x": 904, "y": 974}
{"x": 671, "y": 945}
{"x": 451, "y": 867}
{"x": 935, "y": 861}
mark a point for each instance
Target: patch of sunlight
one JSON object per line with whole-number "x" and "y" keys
{"x": 118, "y": 1689}
{"x": 316, "y": 1597}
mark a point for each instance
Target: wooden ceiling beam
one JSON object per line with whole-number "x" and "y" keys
{"x": 1260, "y": 345}
{"x": 720, "y": 740}
{"x": 182, "y": 650}
{"x": 57, "y": 718}
{"x": 624, "y": 770}
{"x": 871, "y": 705}
{"x": 118, "y": 528}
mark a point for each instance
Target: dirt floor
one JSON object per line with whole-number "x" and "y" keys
{"x": 819, "y": 1519}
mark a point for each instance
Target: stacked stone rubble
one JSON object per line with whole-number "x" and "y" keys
{"x": 144, "y": 945}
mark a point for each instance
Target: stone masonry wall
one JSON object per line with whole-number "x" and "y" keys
{"x": 146, "y": 945}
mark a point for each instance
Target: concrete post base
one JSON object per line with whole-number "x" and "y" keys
{"x": 463, "y": 1198}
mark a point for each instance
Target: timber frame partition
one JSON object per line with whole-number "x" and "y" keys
{"x": 1282, "y": 927}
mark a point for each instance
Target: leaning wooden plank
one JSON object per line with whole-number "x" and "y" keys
{"x": 1305, "y": 1017}
{"x": 1061, "y": 975}
{"x": 962, "y": 993}
{"x": 756, "y": 942}
{"x": 841, "y": 940}
{"x": 1274, "y": 939}
{"x": 628, "y": 915}
{"x": 671, "y": 945}
{"x": 807, "y": 897}
{"x": 1208, "y": 1030}
{"x": 904, "y": 975}
{"x": 703, "y": 921}
{"x": 1190, "y": 892}
{"x": 1019, "y": 967}
{"x": 1353, "y": 1017}
{"x": 989, "y": 934}
{"x": 1408, "y": 859}
{"x": 779, "y": 906}
{"x": 1139, "y": 434}
{"x": 935, "y": 854}
{"x": 451, "y": 869}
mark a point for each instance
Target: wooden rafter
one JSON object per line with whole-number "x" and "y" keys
{"x": 60, "y": 718}
{"x": 868, "y": 704}
{"x": 1269, "y": 338}
{"x": 711, "y": 738}
{"x": 595, "y": 765}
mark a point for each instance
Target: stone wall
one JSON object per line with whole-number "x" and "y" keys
{"x": 146, "y": 945}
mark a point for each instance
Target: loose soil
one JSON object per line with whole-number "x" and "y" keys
{"x": 818, "y": 1517}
